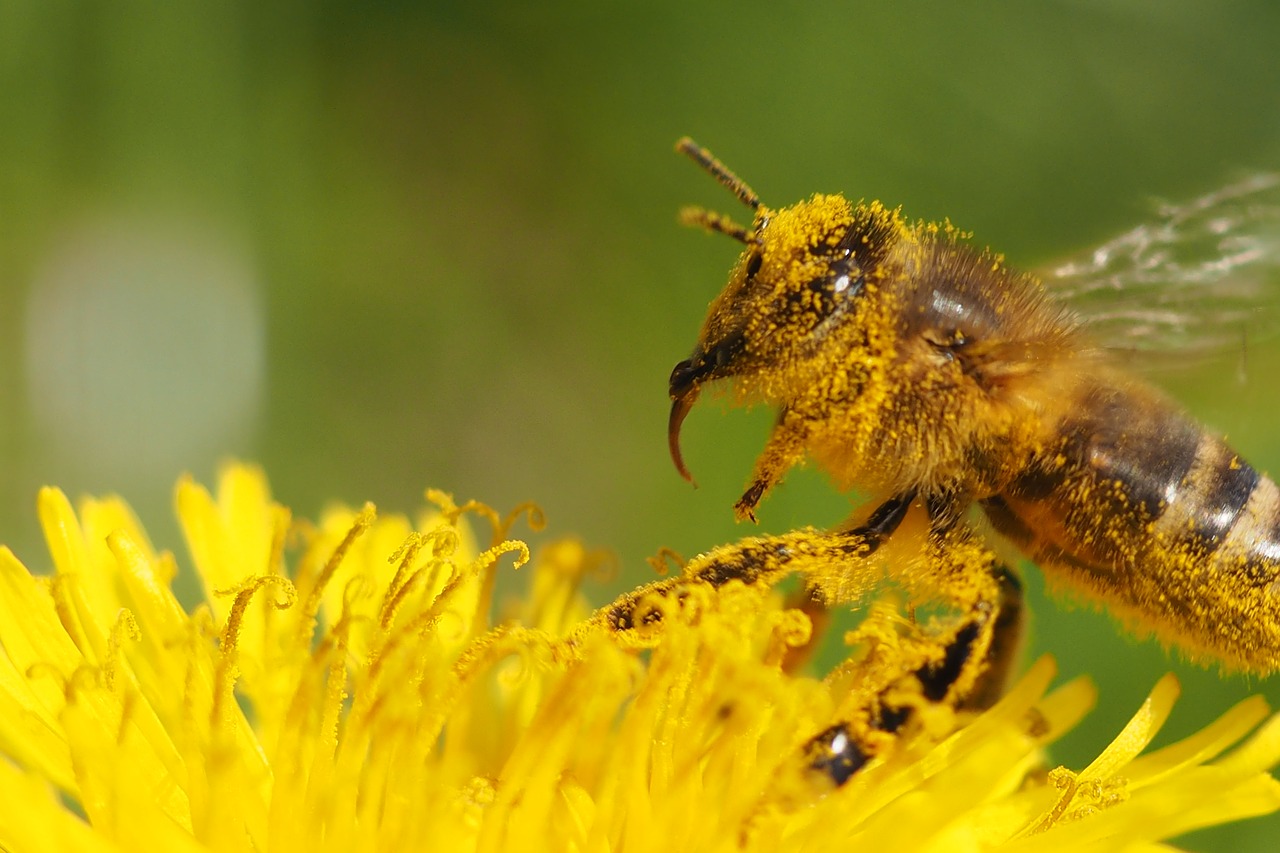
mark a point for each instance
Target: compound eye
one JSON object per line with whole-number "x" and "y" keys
{"x": 847, "y": 278}
{"x": 842, "y": 281}
{"x": 753, "y": 264}
{"x": 839, "y": 283}
{"x": 843, "y": 274}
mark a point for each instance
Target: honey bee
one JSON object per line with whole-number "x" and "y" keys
{"x": 927, "y": 373}
{"x": 917, "y": 368}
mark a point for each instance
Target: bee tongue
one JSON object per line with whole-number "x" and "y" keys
{"x": 686, "y": 379}
{"x": 680, "y": 407}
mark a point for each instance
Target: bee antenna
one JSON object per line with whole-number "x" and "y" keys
{"x": 717, "y": 223}
{"x": 719, "y": 171}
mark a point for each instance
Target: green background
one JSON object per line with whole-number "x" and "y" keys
{"x": 435, "y": 244}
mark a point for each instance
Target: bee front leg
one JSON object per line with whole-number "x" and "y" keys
{"x": 783, "y": 451}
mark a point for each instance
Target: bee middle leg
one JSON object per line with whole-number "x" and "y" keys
{"x": 866, "y": 538}
{"x": 834, "y": 563}
{"x": 843, "y": 566}
{"x": 959, "y": 663}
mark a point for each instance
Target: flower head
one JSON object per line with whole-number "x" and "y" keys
{"x": 342, "y": 685}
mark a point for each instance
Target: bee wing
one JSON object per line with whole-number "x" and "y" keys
{"x": 1201, "y": 278}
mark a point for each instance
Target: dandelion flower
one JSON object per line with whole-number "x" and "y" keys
{"x": 344, "y": 685}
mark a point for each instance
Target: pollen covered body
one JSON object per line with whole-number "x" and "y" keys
{"x": 910, "y": 366}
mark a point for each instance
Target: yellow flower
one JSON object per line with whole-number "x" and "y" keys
{"x": 341, "y": 686}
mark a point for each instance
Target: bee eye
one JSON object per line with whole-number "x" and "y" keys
{"x": 840, "y": 282}
{"x": 845, "y": 281}
{"x": 753, "y": 264}
{"x": 846, "y": 277}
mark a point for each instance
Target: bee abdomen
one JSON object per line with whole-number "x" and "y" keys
{"x": 1135, "y": 503}
{"x": 1217, "y": 504}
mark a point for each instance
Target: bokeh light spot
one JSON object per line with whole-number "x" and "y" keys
{"x": 144, "y": 345}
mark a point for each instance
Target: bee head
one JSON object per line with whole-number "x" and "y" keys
{"x": 802, "y": 275}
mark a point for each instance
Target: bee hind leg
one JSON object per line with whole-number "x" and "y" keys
{"x": 966, "y": 670}
{"x": 963, "y": 665}
{"x": 1006, "y": 628}
{"x": 981, "y": 651}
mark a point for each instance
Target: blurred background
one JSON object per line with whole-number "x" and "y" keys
{"x": 383, "y": 246}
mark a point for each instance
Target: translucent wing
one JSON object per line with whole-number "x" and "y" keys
{"x": 1201, "y": 278}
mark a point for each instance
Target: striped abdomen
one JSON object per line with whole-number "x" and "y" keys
{"x": 1134, "y": 503}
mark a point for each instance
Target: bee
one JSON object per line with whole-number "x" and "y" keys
{"x": 912, "y": 366}
{"x": 925, "y": 372}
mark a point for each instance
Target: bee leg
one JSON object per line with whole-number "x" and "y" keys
{"x": 967, "y": 574}
{"x": 784, "y": 449}
{"x": 635, "y": 619}
{"x": 837, "y": 753}
{"x": 841, "y": 750}
{"x": 1007, "y": 627}
{"x": 832, "y": 564}
{"x": 817, "y": 555}
{"x": 862, "y": 541}
{"x": 882, "y": 523}
{"x": 964, "y": 667}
